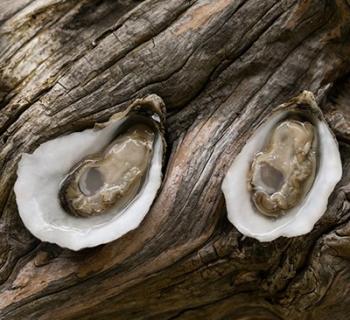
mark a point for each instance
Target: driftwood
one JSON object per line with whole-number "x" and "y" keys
{"x": 220, "y": 66}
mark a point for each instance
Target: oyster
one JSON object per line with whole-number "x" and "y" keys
{"x": 110, "y": 179}
{"x": 284, "y": 171}
{"x": 92, "y": 187}
{"x": 280, "y": 182}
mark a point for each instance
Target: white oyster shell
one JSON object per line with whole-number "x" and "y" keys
{"x": 300, "y": 219}
{"x": 38, "y": 183}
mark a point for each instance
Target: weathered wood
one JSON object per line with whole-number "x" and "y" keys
{"x": 220, "y": 66}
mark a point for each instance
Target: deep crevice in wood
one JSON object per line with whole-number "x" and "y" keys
{"x": 215, "y": 83}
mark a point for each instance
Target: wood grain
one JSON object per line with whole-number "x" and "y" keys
{"x": 220, "y": 66}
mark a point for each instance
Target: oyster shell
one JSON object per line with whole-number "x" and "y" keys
{"x": 280, "y": 182}
{"x": 92, "y": 187}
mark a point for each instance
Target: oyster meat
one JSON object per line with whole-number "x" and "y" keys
{"x": 284, "y": 171}
{"x": 280, "y": 182}
{"x": 92, "y": 187}
{"x": 110, "y": 179}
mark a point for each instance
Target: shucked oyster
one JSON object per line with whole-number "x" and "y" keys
{"x": 111, "y": 178}
{"x": 283, "y": 172}
{"x": 280, "y": 182}
{"x": 91, "y": 187}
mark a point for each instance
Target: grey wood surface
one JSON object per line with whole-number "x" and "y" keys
{"x": 221, "y": 66}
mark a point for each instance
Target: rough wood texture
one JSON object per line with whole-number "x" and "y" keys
{"x": 220, "y": 66}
